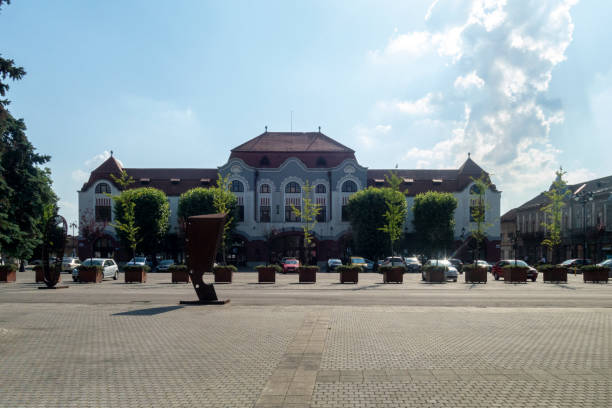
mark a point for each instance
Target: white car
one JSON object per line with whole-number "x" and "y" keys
{"x": 110, "y": 268}
{"x": 450, "y": 273}
{"x": 332, "y": 264}
{"x": 69, "y": 263}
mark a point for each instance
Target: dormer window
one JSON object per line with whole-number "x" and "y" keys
{"x": 205, "y": 181}
{"x": 437, "y": 181}
{"x": 175, "y": 180}
{"x": 379, "y": 182}
{"x": 264, "y": 162}
{"x": 408, "y": 180}
{"x": 145, "y": 180}
{"x": 103, "y": 188}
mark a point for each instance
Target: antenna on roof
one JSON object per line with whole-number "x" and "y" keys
{"x": 111, "y": 153}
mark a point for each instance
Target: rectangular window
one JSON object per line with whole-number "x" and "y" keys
{"x": 103, "y": 213}
{"x": 321, "y": 217}
{"x": 476, "y": 209}
{"x": 290, "y": 216}
{"x": 240, "y": 213}
{"x": 264, "y": 213}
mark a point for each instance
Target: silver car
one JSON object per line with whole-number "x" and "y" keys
{"x": 607, "y": 264}
{"x": 110, "y": 268}
{"x": 450, "y": 273}
{"x": 69, "y": 263}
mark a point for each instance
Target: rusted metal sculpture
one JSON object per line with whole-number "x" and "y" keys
{"x": 54, "y": 242}
{"x": 203, "y": 235}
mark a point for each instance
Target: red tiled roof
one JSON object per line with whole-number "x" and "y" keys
{"x": 292, "y": 142}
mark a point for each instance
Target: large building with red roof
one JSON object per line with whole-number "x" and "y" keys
{"x": 267, "y": 174}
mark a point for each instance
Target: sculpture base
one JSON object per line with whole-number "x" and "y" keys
{"x": 204, "y": 302}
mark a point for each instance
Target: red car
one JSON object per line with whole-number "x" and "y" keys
{"x": 290, "y": 265}
{"x": 498, "y": 269}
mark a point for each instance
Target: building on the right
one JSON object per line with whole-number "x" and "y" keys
{"x": 586, "y": 225}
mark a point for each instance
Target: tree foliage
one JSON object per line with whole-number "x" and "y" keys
{"x": 129, "y": 231}
{"x": 151, "y": 217}
{"x": 396, "y": 210}
{"x": 553, "y": 211}
{"x": 308, "y": 214}
{"x": 366, "y": 211}
{"x": 434, "y": 220}
{"x": 479, "y": 226}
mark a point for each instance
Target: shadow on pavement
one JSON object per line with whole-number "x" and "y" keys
{"x": 149, "y": 312}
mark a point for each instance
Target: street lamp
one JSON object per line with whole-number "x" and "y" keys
{"x": 517, "y": 234}
{"x": 583, "y": 198}
{"x": 73, "y": 225}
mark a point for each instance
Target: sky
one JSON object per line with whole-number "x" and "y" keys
{"x": 524, "y": 86}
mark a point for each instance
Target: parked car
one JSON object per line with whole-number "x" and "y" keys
{"x": 394, "y": 261}
{"x": 139, "y": 260}
{"x": 412, "y": 264}
{"x": 607, "y": 264}
{"x": 369, "y": 265}
{"x": 450, "y": 273}
{"x": 332, "y": 264}
{"x": 484, "y": 264}
{"x": 457, "y": 264}
{"x": 576, "y": 263}
{"x": 163, "y": 266}
{"x": 69, "y": 263}
{"x": 498, "y": 269}
{"x": 110, "y": 268}
{"x": 358, "y": 261}
{"x": 290, "y": 265}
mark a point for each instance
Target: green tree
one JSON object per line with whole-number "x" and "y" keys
{"x": 434, "y": 220}
{"x": 553, "y": 211}
{"x": 127, "y": 225}
{"x": 479, "y": 226}
{"x": 308, "y": 215}
{"x": 396, "y": 209}
{"x": 151, "y": 217}
{"x": 25, "y": 188}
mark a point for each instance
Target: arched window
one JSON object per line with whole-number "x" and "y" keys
{"x": 293, "y": 187}
{"x": 475, "y": 189}
{"x": 264, "y": 188}
{"x": 103, "y": 188}
{"x": 236, "y": 187}
{"x": 320, "y": 189}
{"x": 349, "y": 186}
{"x": 264, "y": 161}
{"x": 321, "y": 162}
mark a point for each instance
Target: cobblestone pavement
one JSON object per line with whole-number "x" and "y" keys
{"x": 118, "y": 345}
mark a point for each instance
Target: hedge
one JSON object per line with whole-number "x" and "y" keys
{"x": 277, "y": 268}
{"x": 387, "y": 268}
{"x": 347, "y": 268}
{"x": 8, "y": 268}
{"x": 136, "y": 268}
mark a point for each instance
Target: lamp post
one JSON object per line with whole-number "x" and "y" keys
{"x": 583, "y": 198}
{"x": 517, "y": 234}
{"x": 73, "y": 225}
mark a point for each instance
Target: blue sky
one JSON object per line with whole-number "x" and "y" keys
{"x": 525, "y": 86}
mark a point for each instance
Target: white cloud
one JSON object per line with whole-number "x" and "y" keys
{"x": 97, "y": 160}
{"x": 470, "y": 80}
{"x": 370, "y": 137}
{"x": 80, "y": 176}
{"x": 579, "y": 175}
{"x": 430, "y": 9}
{"x": 508, "y": 51}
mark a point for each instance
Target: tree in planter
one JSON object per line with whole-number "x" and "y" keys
{"x": 126, "y": 224}
{"x": 396, "y": 209}
{"x": 200, "y": 201}
{"x": 478, "y": 211}
{"x": 308, "y": 214}
{"x": 366, "y": 209}
{"x": 151, "y": 217}
{"x": 553, "y": 211}
{"x": 433, "y": 220}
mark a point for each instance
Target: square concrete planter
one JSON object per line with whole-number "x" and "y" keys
{"x": 308, "y": 274}
{"x": 515, "y": 274}
{"x": 224, "y": 273}
{"x": 349, "y": 273}
{"x": 475, "y": 275}
{"x": 392, "y": 274}
{"x": 554, "y": 274}
{"x": 593, "y": 273}
{"x": 267, "y": 273}
{"x": 8, "y": 273}
{"x": 135, "y": 273}
{"x": 179, "y": 274}
{"x": 90, "y": 274}
{"x": 435, "y": 274}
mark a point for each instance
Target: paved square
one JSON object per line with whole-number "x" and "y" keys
{"x": 322, "y": 345}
